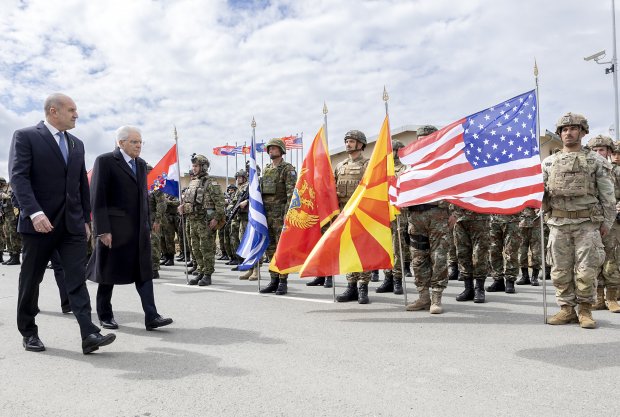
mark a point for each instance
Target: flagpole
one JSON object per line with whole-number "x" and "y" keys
{"x": 398, "y": 228}
{"x": 542, "y": 211}
{"x": 253, "y": 124}
{"x": 176, "y": 142}
{"x": 325, "y": 111}
{"x": 236, "y": 155}
{"x": 227, "y": 169}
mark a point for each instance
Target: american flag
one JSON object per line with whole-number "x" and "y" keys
{"x": 293, "y": 142}
{"x": 488, "y": 162}
{"x": 256, "y": 237}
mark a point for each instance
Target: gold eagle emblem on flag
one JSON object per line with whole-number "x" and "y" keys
{"x": 302, "y": 200}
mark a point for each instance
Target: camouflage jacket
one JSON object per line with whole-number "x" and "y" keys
{"x": 277, "y": 184}
{"x": 528, "y": 217}
{"x": 204, "y": 196}
{"x": 462, "y": 214}
{"x": 348, "y": 175}
{"x": 157, "y": 206}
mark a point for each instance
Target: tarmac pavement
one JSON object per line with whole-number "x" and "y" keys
{"x": 233, "y": 352}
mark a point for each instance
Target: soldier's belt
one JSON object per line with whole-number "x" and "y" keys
{"x": 579, "y": 214}
{"x": 423, "y": 207}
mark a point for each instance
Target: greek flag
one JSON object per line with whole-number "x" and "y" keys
{"x": 256, "y": 237}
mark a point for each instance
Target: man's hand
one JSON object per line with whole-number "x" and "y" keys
{"x": 42, "y": 224}
{"x": 106, "y": 239}
{"x": 87, "y": 228}
{"x": 212, "y": 224}
{"x": 180, "y": 209}
{"x": 156, "y": 227}
{"x": 243, "y": 204}
{"x": 604, "y": 230}
{"x": 451, "y": 221}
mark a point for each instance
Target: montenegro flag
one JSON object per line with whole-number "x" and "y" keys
{"x": 360, "y": 239}
{"x": 314, "y": 204}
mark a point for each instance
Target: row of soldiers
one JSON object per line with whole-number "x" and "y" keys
{"x": 10, "y": 240}
{"x": 443, "y": 241}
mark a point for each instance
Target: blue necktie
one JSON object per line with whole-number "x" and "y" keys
{"x": 62, "y": 143}
{"x": 133, "y": 166}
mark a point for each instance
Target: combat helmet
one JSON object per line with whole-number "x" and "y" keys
{"x": 241, "y": 173}
{"x": 2, "y": 181}
{"x": 425, "y": 130}
{"x": 357, "y": 135}
{"x": 231, "y": 187}
{"x": 202, "y": 161}
{"x": 572, "y": 119}
{"x": 601, "y": 141}
{"x": 396, "y": 145}
{"x": 616, "y": 148}
{"x": 276, "y": 142}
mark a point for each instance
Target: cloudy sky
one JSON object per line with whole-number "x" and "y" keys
{"x": 209, "y": 66}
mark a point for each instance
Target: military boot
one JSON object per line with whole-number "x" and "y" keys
{"x": 534, "y": 278}
{"x": 169, "y": 261}
{"x": 318, "y": 281}
{"x": 205, "y": 280}
{"x": 479, "y": 290}
{"x": 13, "y": 260}
{"x": 398, "y": 286}
{"x": 224, "y": 257}
{"x": 408, "y": 269}
{"x": 329, "y": 282}
{"x": 468, "y": 292}
{"x": 497, "y": 286}
{"x": 254, "y": 276}
{"x": 612, "y": 300}
{"x": 195, "y": 280}
{"x": 525, "y": 277}
{"x": 453, "y": 272}
{"x": 282, "y": 287}
{"x": 247, "y": 274}
{"x": 1, "y": 257}
{"x": 510, "y": 287}
{"x": 600, "y": 299}
{"x": 566, "y": 315}
{"x": 388, "y": 283}
{"x": 374, "y": 276}
{"x": 362, "y": 294}
{"x": 585, "y": 316}
{"x": 422, "y": 303}
{"x": 436, "y": 307}
{"x": 163, "y": 259}
{"x": 350, "y": 294}
{"x": 273, "y": 284}
{"x": 190, "y": 262}
{"x": 547, "y": 273}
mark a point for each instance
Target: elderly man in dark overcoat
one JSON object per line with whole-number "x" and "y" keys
{"x": 121, "y": 221}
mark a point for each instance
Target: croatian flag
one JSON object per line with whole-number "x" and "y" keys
{"x": 165, "y": 175}
{"x": 488, "y": 162}
{"x": 256, "y": 237}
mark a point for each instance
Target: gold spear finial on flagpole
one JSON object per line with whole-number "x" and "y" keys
{"x": 324, "y": 108}
{"x": 385, "y": 94}
{"x": 176, "y": 136}
{"x": 253, "y": 122}
{"x": 535, "y": 68}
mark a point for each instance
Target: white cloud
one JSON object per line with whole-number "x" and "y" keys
{"x": 210, "y": 66}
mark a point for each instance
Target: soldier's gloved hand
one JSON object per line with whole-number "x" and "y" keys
{"x": 451, "y": 221}
{"x": 243, "y": 204}
{"x": 212, "y": 224}
{"x": 604, "y": 230}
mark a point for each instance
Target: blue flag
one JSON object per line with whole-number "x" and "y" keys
{"x": 256, "y": 237}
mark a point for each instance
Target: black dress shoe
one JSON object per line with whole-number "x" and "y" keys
{"x": 109, "y": 324}
{"x": 94, "y": 341}
{"x": 155, "y": 274}
{"x": 33, "y": 344}
{"x": 158, "y": 321}
{"x": 65, "y": 309}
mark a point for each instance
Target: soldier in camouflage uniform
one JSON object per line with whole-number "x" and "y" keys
{"x": 529, "y": 228}
{"x": 348, "y": 174}
{"x": 157, "y": 213}
{"x": 615, "y": 160}
{"x": 505, "y": 241}
{"x": 240, "y": 219}
{"x": 428, "y": 236}
{"x": 203, "y": 202}
{"x": 609, "y": 278}
{"x": 227, "y": 231}
{"x": 580, "y": 204}
{"x": 277, "y": 186}
{"x": 471, "y": 237}
{"x": 393, "y": 281}
{"x": 10, "y": 214}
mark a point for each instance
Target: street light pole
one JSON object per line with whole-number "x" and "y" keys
{"x": 614, "y": 66}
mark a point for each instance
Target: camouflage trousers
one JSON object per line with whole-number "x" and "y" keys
{"x": 452, "y": 259}
{"x": 167, "y": 232}
{"x": 429, "y": 248}
{"x": 505, "y": 241}
{"x": 2, "y": 238}
{"x": 221, "y": 242}
{"x": 155, "y": 249}
{"x": 12, "y": 237}
{"x": 237, "y": 231}
{"x": 576, "y": 254}
{"x": 228, "y": 232}
{"x": 397, "y": 271}
{"x": 203, "y": 244}
{"x": 530, "y": 242}
{"x": 274, "y": 226}
{"x": 471, "y": 238}
{"x": 610, "y": 274}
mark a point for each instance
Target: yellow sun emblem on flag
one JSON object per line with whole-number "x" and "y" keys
{"x": 302, "y": 199}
